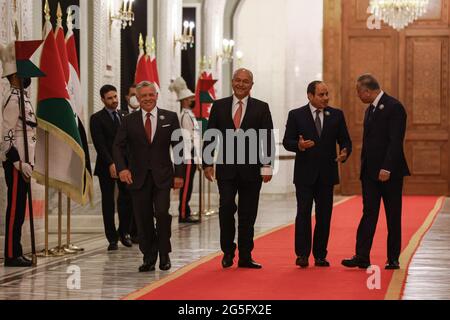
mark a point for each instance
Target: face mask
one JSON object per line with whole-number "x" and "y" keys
{"x": 134, "y": 103}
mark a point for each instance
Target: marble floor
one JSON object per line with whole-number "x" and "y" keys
{"x": 111, "y": 276}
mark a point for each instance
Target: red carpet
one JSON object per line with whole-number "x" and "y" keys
{"x": 280, "y": 279}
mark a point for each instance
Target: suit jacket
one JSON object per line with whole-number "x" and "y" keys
{"x": 318, "y": 162}
{"x": 103, "y": 132}
{"x": 257, "y": 117}
{"x": 133, "y": 152}
{"x": 384, "y": 135}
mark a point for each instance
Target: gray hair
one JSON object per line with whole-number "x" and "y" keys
{"x": 145, "y": 84}
{"x": 243, "y": 70}
{"x": 369, "y": 81}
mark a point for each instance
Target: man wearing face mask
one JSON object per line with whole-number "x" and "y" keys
{"x": 12, "y": 154}
{"x": 133, "y": 103}
{"x": 191, "y": 135}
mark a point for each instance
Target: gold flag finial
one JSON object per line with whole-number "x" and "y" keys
{"x": 153, "y": 45}
{"x": 148, "y": 47}
{"x": 47, "y": 11}
{"x": 59, "y": 15}
{"x": 141, "y": 41}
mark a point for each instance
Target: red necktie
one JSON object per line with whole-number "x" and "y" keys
{"x": 238, "y": 116}
{"x": 148, "y": 128}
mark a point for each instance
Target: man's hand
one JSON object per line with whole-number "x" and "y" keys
{"x": 113, "y": 171}
{"x": 343, "y": 156}
{"x": 209, "y": 174}
{"x": 267, "y": 179}
{"x": 266, "y": 174}
{"x": 24, "y": 168}
{"x": 178, "y": 183}
{"x": 126, "y": 177}
{"x": 305, "y": 144}
{"x": 384, "y": 176}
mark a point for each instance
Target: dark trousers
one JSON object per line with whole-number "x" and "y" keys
{"x": 186, "y": 192}
{"x": 247, "y": 209}
{"x": 373, "y": 192}
{"x": 124, "y": 208}
{"x": 322, "y": 195}
{"x": 15, "y": 211}
{"x": 149, "y": 203}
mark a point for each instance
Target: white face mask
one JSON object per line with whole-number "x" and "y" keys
{"x": 134, "y": 103}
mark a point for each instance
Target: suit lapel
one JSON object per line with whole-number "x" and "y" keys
{"x": 247, "y": 114}
{"x": 326, "y": 119}
{"x": 229, "y": 113}
{"x": 158, "y": 125}
{"x": 311, "y": 122}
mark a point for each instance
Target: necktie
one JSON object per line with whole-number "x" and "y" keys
{"x": 116, "y": 119}
{"x": 318, "y": 123}
{"x": 238, "y": 116}
{"x": 371, "y": 111}
{"x": 148, "y": 128}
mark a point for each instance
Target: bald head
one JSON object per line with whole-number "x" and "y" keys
{"x": 242, "y": 83}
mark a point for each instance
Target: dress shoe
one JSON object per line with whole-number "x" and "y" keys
{"x": 189, "y": 220}
{"x": 249, "y": 264}
{"x": 134, "y": 239}
{"x": 302, "y": 262}
{"x": 322, "y": 263}
{"x": 26, "y": 259}
{"x": 392, "y": 265}
{"x": 113, "y": 246}
{"x": 356, "y": 262}
{"x": 126, "y": 241}
{"x": 227, "y": 261}
{"x": 19, "y": 262}
{"x": 164, "y": 262}
{"x": 147, "y": 267}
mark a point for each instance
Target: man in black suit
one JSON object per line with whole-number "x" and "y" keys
{"x": 238, "y": 174}
{"x": 142, "y": 155}
{"x": 312, "y": 132}
{"x": 383, "y": 168}
{"x": 104, "y": 125}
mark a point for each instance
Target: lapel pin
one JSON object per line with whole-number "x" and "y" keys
{"x": 162, "y": 118}
{"x": 381, "y": 107}
{"x": 327, "y": 113}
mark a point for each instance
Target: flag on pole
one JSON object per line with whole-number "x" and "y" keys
{"x": 26, "y": 53}
{"x": 154, "y": 63}
{"x": 74, "y": 88}
{"x": 55, "y": 116}
{"x": 142, "y": 70}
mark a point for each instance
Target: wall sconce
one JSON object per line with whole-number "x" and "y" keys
{"x": 124, "y": 15}
{"x": 187, "y": 37}
{"x": 227, "y": 51}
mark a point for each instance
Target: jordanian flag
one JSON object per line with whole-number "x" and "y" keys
{"x": 26, "y": 54}
{"x": 205, "y": 95}
{"x": 67, "y": 162}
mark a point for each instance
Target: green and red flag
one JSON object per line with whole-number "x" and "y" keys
{"x": 26, "y": 52}
{"x": 56, "y": 117}
{"x": 204, "y": 98}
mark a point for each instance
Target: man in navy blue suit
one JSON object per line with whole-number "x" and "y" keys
{"x": 312, "y": 132}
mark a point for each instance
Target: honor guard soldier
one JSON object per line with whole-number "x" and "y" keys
{"x": 12, "y": 154}
{"x": 191, "y": 136}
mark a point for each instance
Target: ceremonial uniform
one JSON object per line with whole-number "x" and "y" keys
{"x": 12, "y": 153}
{"x": 191, "y": 136}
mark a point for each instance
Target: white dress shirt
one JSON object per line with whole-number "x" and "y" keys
{"x": 377, "y": 100}
{"x": 153, "y": 118}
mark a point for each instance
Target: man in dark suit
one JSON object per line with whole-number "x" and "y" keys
{"x": 383, "y": 168}
{"x": 241, "y": 115}
{"x": 312, "y": 132}
{"x": 142, "y": 155}
{"x": 104, "y": 125}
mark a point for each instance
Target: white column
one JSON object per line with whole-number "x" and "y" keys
{"x": 213, "y": 36}
{"x": 168, "y": 56}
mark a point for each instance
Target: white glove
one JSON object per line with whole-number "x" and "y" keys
{"x": 25, "y": 168}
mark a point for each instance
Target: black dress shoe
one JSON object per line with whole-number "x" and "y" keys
{"x": 356, "y": 262}
{"x": 227, "y": 261}
{"x": 302, "y": 262}
{"x": 189, "y": 220}
{"x": 249, "y": 264}
{"x": 164, "y": 262}
{"x": 26, "y": 259}
{"x": 322, "y": 263}
{"x": 147, "y": 267}
{"x": 19, "y": 262}
{"x": 113, "y": 246}
{"x": 126, "y": 241}
{"x": 392, "y": 265}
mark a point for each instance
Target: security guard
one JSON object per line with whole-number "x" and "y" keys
{"x": 12, "y": 154}
{"x": 191, "y": 137}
